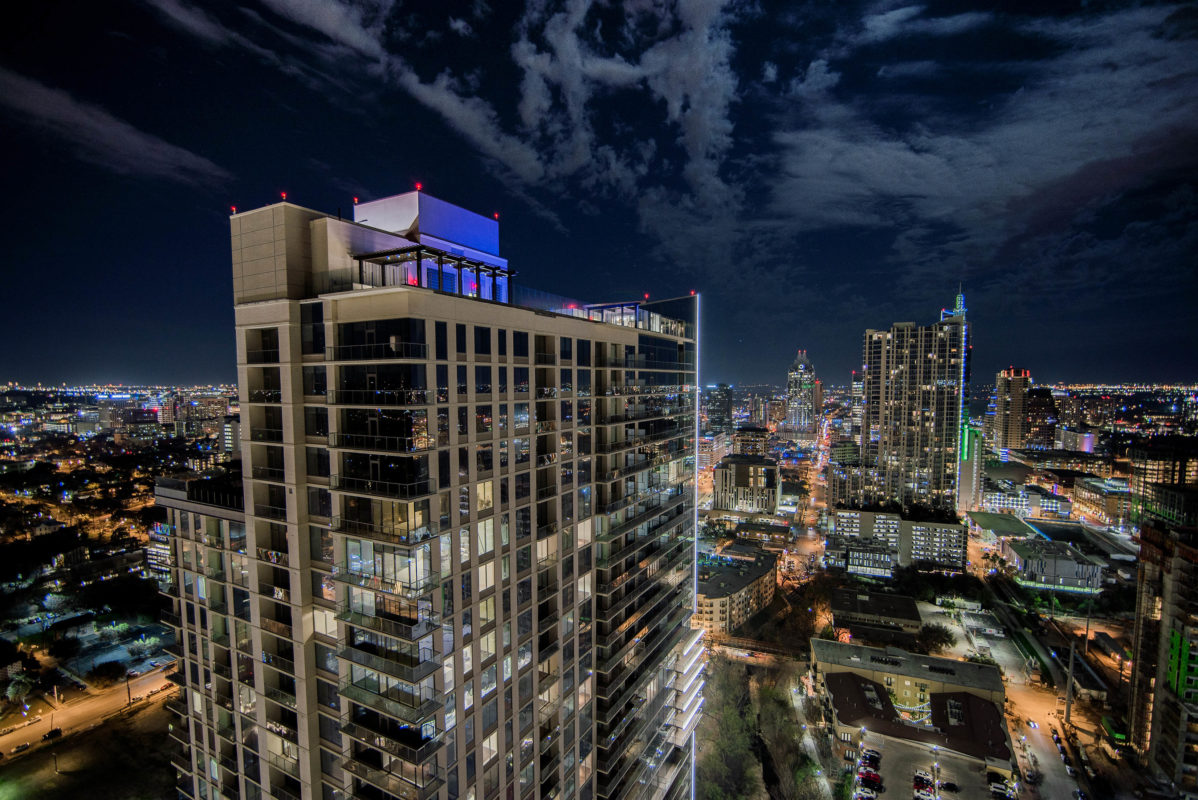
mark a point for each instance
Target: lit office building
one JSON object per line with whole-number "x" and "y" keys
{"x": 804, "y": 396}
{"x": 468, "y": 566}
{"x": 1041, "y": 419}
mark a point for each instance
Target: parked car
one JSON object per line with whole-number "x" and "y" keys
{"x": 1070, "y": 771}
{"x": 1031, "y": 723}
{"x": 949, "y": 786}
{"x": 923, "y": 773}
{"x": 869, "y": 774}
{"x": 53, "y": 733}
{"x": 21, "y": 748}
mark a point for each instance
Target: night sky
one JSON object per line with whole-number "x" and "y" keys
{"x": 814, "y": 169}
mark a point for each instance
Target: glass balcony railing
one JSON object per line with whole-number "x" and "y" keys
{"x": 403, "y": 491}
{"x": 380, "y": 350}
{"x": 411, "y": 587}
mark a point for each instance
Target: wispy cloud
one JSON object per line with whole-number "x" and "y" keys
{"x": 98, "y": 137}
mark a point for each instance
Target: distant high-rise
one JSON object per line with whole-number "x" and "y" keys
{"x": 466, "y": 565}
{"x": 1010, "y": 409}
{"x": 1041, "y": 419}
{"x": 803, "y": 395}
{"x": 914, "y": 384}
{"x": 719, "y": 410}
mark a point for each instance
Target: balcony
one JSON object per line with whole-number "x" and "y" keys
{"x": 276, "y": 474}
{"x": 181, "y": 760}
{"x": 282, "y": 697}
{"x": 277, "y": 557}
{"x": 281, "y": 629}
{"x": 393, "y": 784}
{"x": 282, "y": 762}
{"x": 376, "y": 352}
{"x": 266, "y": 434}
{"x": 403, "y": 491}
{"x": 390, "y": 533}
{"x": 409, "y": 631}
{"x": 415, "y": 670}
{"x": 281, "y": 663}
{"x": 546, "y": 359}
{"x": 380, "y": 444}
{"x": 260, "y": 356}
{"x": 410, "y": 748}
{"x": 274, "y": 592}
{"x": 410, "y": 588}
{"x": 265, "y": 395}
{"x": 270, "y": 512}
{"x": 376, "y": 398}
{"x": 178, "y": 678}
{"x": 411, "y": 707}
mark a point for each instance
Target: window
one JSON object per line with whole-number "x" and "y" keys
{"x": 486, "y": 576}
{"x": 462, "y": 387}
{"x": 490, "y": 747}
{"x": 316, "y": 421}
{"x": 567, "y": 345}
{"x": 442, "y": 335}
{"x": 461, "y": 339}
{"x": 520, "y": 380}
{"x": 482, "y": 380}
{"x": 502, "y": 342}
{"x": 486, "y": 528}
{"x": 520, "y": 344}
{"x": 482, "y": 341}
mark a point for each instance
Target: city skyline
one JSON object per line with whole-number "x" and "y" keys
{"x": 854, "y": 171}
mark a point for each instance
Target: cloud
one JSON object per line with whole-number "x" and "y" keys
{"x": 909, "y": 69}
{"x": 817, "y": 80}
{"x": 460, "y": 26}
{"x": 769, "y": 72}
{"x": 102, "y": 139}
{"x": 906, "y": 21}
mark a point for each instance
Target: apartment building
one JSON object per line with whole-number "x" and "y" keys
{"x": 925, "y": 544}
{"x": 469, "y": 525}
{"x": 1163, "y": 712}
{"x": 733, "y": 586}
{"x": 747, "y": 484}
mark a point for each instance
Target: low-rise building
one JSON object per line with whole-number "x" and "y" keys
{"x": 1094, "y": 463}
{"x": 890, "y": 692}
{"x": 734, "y": 584}
{"x": 1053, "y": 566}
{"x": 1027, "y": 500}
{"x": 876, "y": 617}
{"x": 751, "y": 440}
{"x": 1105, "y": 500}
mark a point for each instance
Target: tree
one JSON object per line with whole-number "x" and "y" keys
{"x": 19, "y": 689}
{"x": 727, "y": 767}
{"x": 106, "y": 672}
{"x": 934, "y": 638}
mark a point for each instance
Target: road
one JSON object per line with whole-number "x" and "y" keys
{"x": 85, "y": 712}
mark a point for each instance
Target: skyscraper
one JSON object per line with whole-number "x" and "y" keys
{"x": 1041, "y": 419}
{"x": 1164, "y": 679}
{"x": 914, "y": 387}
{"x": 719, "y": 410}
{"x": 1010, "y": 409}
{"x": 467, "y": 568}
{"x": 802, "y": 395}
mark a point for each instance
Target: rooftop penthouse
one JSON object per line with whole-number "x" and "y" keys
{"x": 407, "y": 241}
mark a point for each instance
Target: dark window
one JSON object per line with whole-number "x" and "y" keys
{"x": 318, "y": 462}
{"x": 482, "y": 341}
{"x": 312, "y": 328}
{"x": 315, "y": 381}
{"x": 502, "y": 342}
{"x": 316, "y": 421}
{"x": 461, "y": 337}
{"x": 462, "y": 388}
{"x": 482, "y": 380}
{"x": 584, "y": 353}
{"x": 442, "y": 383}
{"x": 520, "y": 344}
{"x": 442, "y": 333}
{"x": 567, "y": 345}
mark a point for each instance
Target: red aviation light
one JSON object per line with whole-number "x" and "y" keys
{"x": 419, "y": 186}
{"x": 283, "y": 194}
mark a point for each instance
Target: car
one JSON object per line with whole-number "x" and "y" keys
{"x": 1031, "y": 723}
{"x": 53, "y": 733}
{"x": 1065, "y": 758}
{"x": 868, "y": 774}
{"x": 949, "y": 786}
{"x": 873, "y": 786}
{"x": 921, "y": 795}
{"x": 21, "y": 748}
{"x": 866, "y": 794}
{"x": 132, "y": 673}
{"x": 1056, "y": 737}
{"x": 1080, "y": 795}
{"x": 1070, "y": 771}
{"x": 920, "y": 783}
{"x": 869, "y": 751}
{"x": 923, "y": 773}
{"x": 137, "y": 698}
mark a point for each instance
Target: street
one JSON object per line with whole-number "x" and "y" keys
{"x": 85, "y": 712}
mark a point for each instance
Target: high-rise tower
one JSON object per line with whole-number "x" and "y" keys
{"x": 803, "y": 398}
{"x": 467, "y": 562}
{"x": 1010, "y": 418}
{"x": 915, "y": 381}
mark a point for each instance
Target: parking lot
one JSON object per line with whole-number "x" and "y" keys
{"x": 900, "y": 760}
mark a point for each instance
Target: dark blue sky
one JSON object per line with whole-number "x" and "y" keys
{"x": 813, "y": 168}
